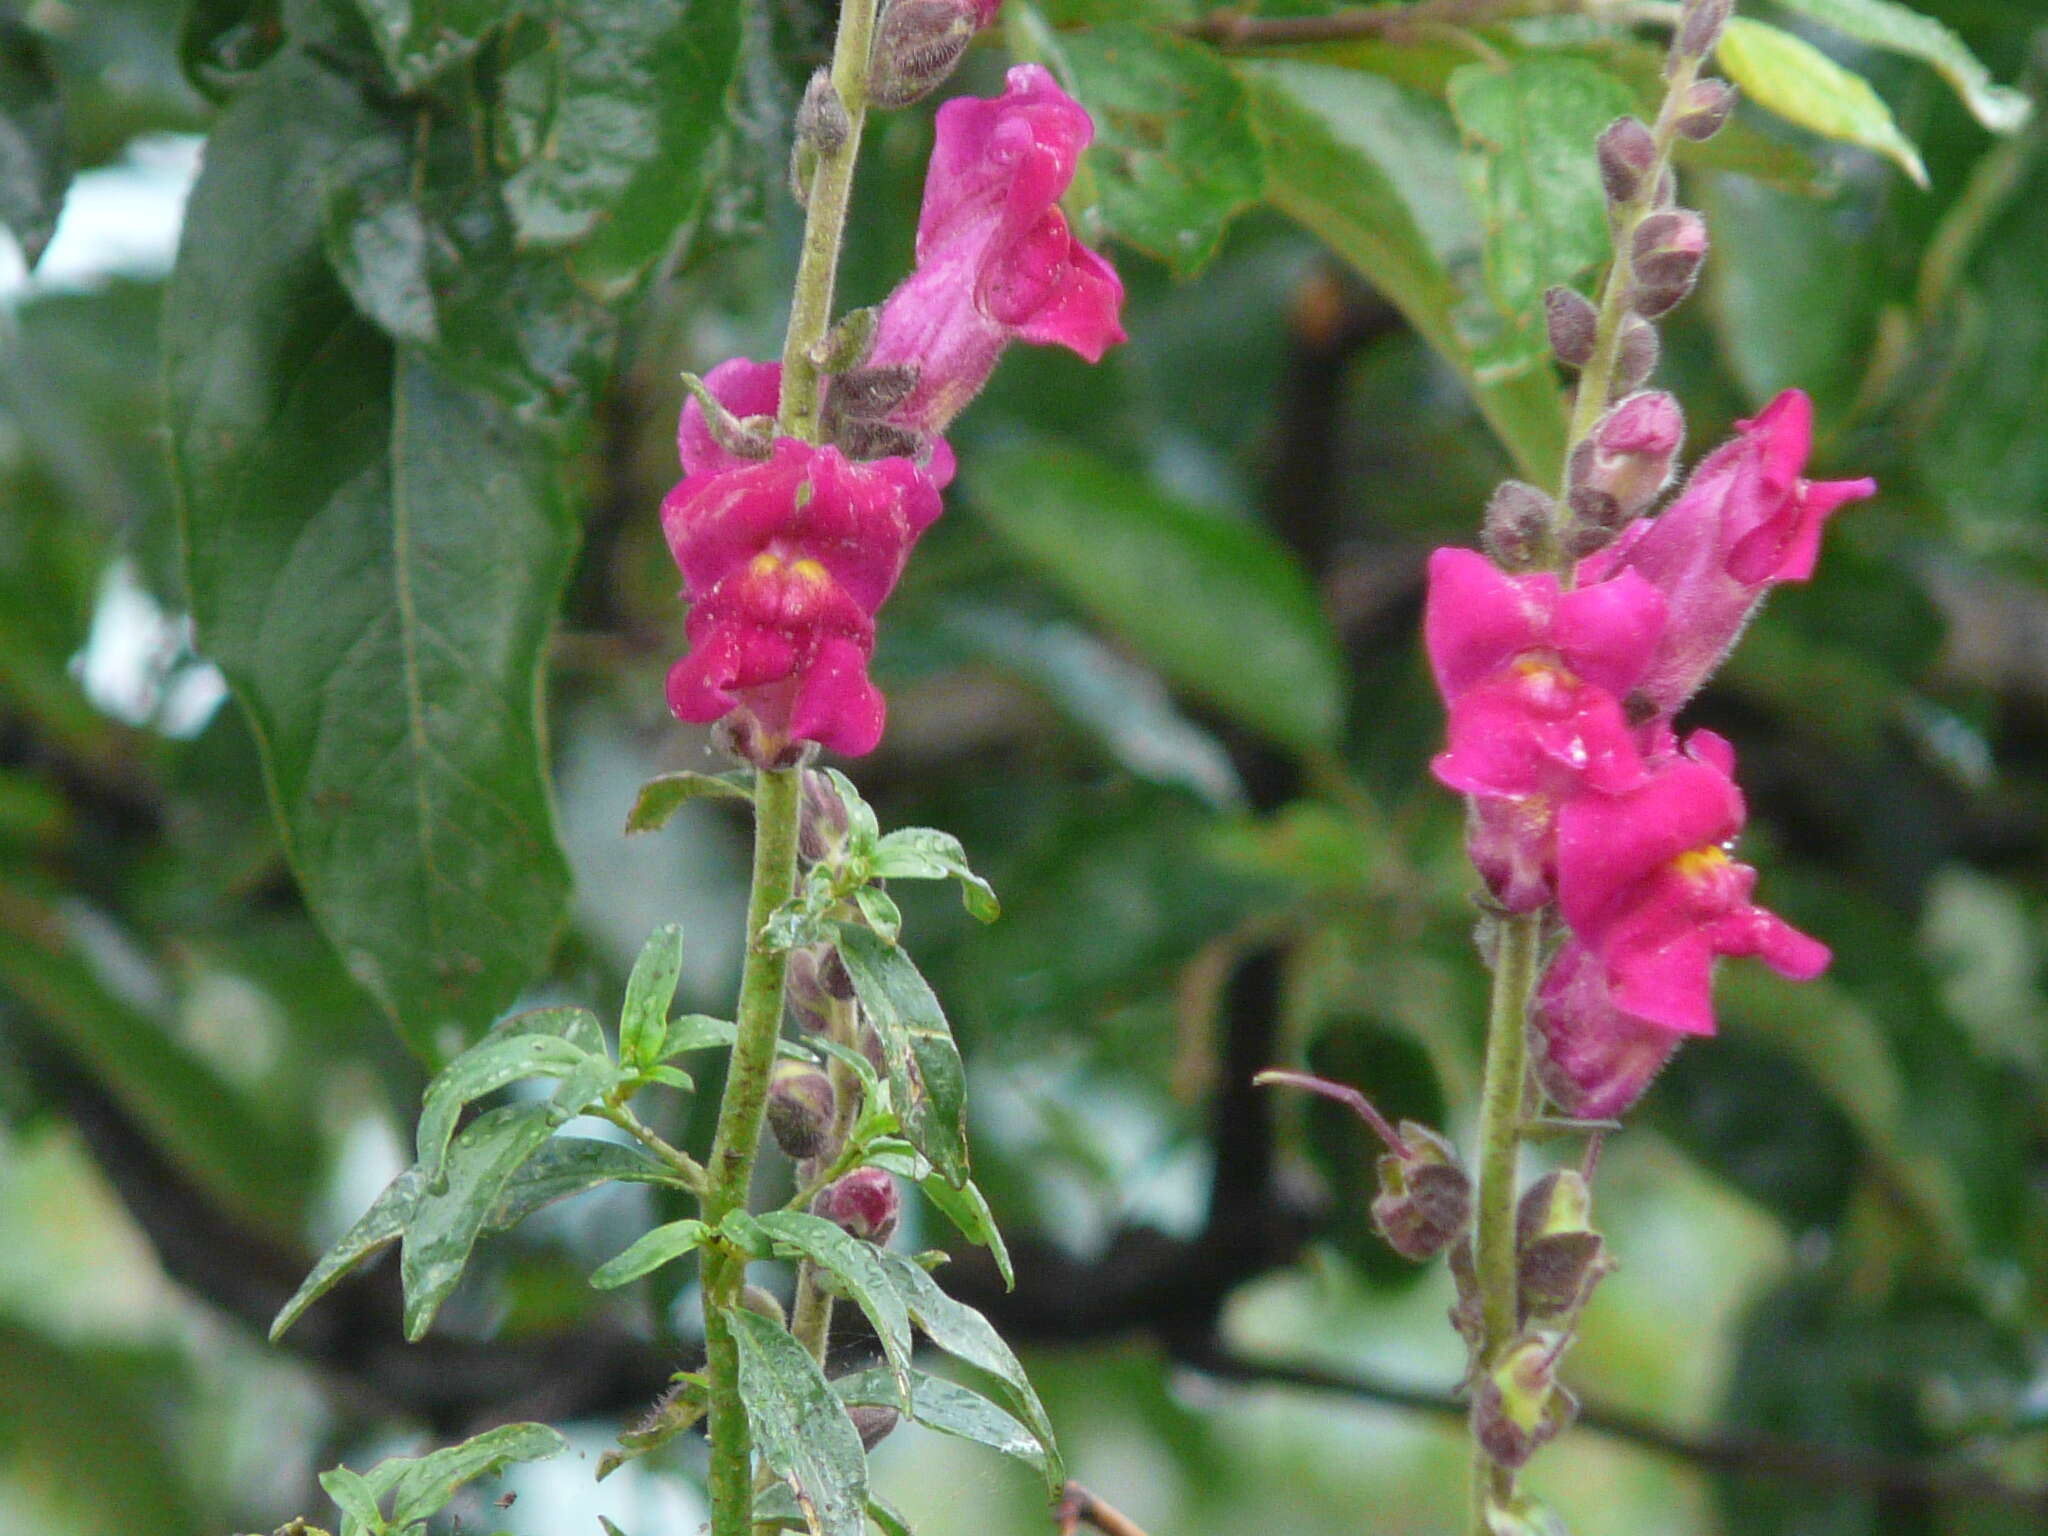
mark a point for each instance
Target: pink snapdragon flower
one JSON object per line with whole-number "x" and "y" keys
{"x": 996, "y": 260}
{"x": 1533, "y": 677}
{"x": 1653, "y": 899}
{"x": 1746, "y": 521}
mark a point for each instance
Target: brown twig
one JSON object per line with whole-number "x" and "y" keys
{"x": 1079, "y": 1507}
{"x": 1239, "y": 29}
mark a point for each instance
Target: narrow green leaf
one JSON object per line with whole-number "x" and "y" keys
{"x": 353, "y": 1497}
{"x": 880, "y": 912}
{"x": 650, "y": 992}
{"x": 1791, "y": 77}
{"x": 889, "y": 1520}
{"x": 505, "y": 1056}
{"x": 1372, "y": 168}
{"x": 801, "y": 1429}
{"x": 927, "y": 1083}
{"x": 851, "y": 1262}
{"x": 661, "y": 797}
{"x": 614, "y": 119}
{"x": 967, "y": 1208}
{"x": 423, "y": 1486}
{"x": 1159, "y": 571}
{"x": 696, "y": 1032}
{"x": 420, "y": 38}
{"x": 569, "y": 1165}
{"x": 448, "y": 1218}
{"x": 1528, "y": 163}
{"x": 925, "y": 853}
{"x": 35, "y": 150}
{"x": 1174, "y": 159}
{"x": 382, "y": 1223}
{"x": 649, "y": 1252}
{"x": 966, "y": 1335}
{"x": 951, "y": 1409}
{"x": 1899, "y": 29}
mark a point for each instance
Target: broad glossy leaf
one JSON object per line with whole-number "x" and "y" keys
{"x": 952, "y": 1410}
{"x": 1529, "y": 129}
{"x": 662, "y": 796}
{"x": 373, "y": 556}
{"x": 1216, "y": 603}
{"x": 1794, "y": 79}
{"x": 927, "y": 1083}
{"x": 648, "y": 1252}
{"x": 1900, "y": 29}
{"x": 420, "y": 38}
{"x": 799, "y": 1427}
{"x": 382, "y": 1223}
{"x": 966, "y": 1335}
{"x": 35, "y": 155}
{"x": 1173, "y": 159}
{"x": 613, "y": 120}
{"x": 1371, "y": 167}
{"x": 448, "y": 1218}
{"x": 925, "y": 853}
{"x": 569, "y": 1165}
{"x": 650, "y": 993}
{"x": 851, "y": 1261}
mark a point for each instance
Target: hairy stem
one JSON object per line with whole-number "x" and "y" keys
{"x": 1518, "y": 947}
{"x": 778, "y": 800}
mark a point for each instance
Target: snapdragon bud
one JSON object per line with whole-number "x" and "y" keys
{"x": 1705, "y": 109}
{"x": 873, "y": 1424}
{"x": 1425, "y": 1199}
{"x": 1626, "y": 151}
{"x": 1667, "y": 253}
{"x": 814, "y": 984}
{"x": 864, "y": 1204}
{"x": 822, "y": 121}
{"x": 1635, "y": 354}
{"x": 1519, "y": 1406}
{"x": 801, "y": 1110}
{"x": 1516, "y": 531}
{"x": 918, "y": 44}
{"x": 1626, "y": 460}
{"x": 1573, "y": 324}
{"x": 1559, "y": 1257}
{"x": 822, "y": 824}
{"x": 1700, "y": 27}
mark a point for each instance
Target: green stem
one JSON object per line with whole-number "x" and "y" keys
{"x": 1517, "y": 950}
{"x": 778, "y": 800}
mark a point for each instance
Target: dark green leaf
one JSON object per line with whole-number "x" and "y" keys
{"x": 1794, "y": 79}
{"x": 569, "y": 1165}
{"x": 420, "y": 38}
{"x": 445, "y": 1223}
{"x": 650, "y": 992}
{"x": 1371, "y": 167}
{"x": 613, "y": 122}
{"x": 378, "y": 242}
{"x": 927, "y": 1083}
{"x": 801, "y": 1429}
{"x": 1529, "y": 129}
{"x": 373, "y": 557}
{"x": 1899, "y": 29}
{"x": 966, "y": 1335}
{"x": 1174, "y": 158}
{"x": 952, "y": 1410}
{"x": 649, "y": 1252}
{"x": 661, "y": 797}
{"x": 851, "y": 1261}
{"x": 35, "y": 154}
{"x": 925, "y": 853}
{"x": 382, "y": 1223}
{"x": 1164, "y": 574}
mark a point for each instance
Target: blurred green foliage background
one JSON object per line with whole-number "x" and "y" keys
{"x": 416, "y": 373}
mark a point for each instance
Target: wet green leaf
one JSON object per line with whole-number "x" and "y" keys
{"x": 661, "y": 797}
{"x": 925, "y": 853}
{"x": 851, "y": 1261}
{"x": 800, "y": 1428}
{"x": 650, "y": 992}
{"x": 382, "y": 1223}
{"x": 649, "y": 1252}
{"x": 449, "y": 1216}
{"x": 927, "y": 1083}
{"x": 522, "y": 1047}
{"x": 570, "y": 1165}
{"x": 954, "y": 1410}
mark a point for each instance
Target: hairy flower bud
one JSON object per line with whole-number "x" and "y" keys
{"x": 1559, "y": 1258}
{"x": 873, "y": 1423}
{"x": 918, "y": 44}
{"x": 1700, "y": 27}
{"x": 1635, "y": 354}
{"x": 1667, "y": 252}
{"x": 822, "y": 122}
{"x": 814, "y": 984}
{"x": 1705, "y": 109}
{"x": 822, "y": 823}
{"x": 1517, "y": 528}
{"x": 1573, "y": 324}
{"x": 864, "y": 1203}
{"x": 1519, "y": 1406}
{"x": 1626, "y": 151}
{"x": 801, "y": 1108}
{"x": 1627, "y": 458}
{"x": 1425, "y": 1199}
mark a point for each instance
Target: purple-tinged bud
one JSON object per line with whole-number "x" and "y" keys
{"x": 1667, "y": 253}
{"x": 801, "y": 1110}
{"x": 864, "y": 440}
{"x": 1573, "y": 323}
{"x": 1626, "y": 458}
{"x": 1425, "y": 1199}
{"x": 864, "y": 1203}
{"x": 1559, "y": 1257}
{"x": 873, "y": 1424}
{"x": 918, "y": 44}
{"x": 822, "y": 121}
{"x": 1635, "y": 354}
{"x": 814, "y": 984}
{"x": 1705, "y": 109}
{"x": 1518, "y": 1406}
{"x": 1627, "y": 151}
{"x": 1700, "y": 28}
{"x": 822, "y": 824}
{"x": 1516, "y": 531}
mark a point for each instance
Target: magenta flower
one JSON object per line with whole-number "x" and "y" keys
{"x": 1533, "y": 677}
{"x": 1746, "y": 521}
{"x": 995, "y": 257}
{"x": 1645, "y": 881}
